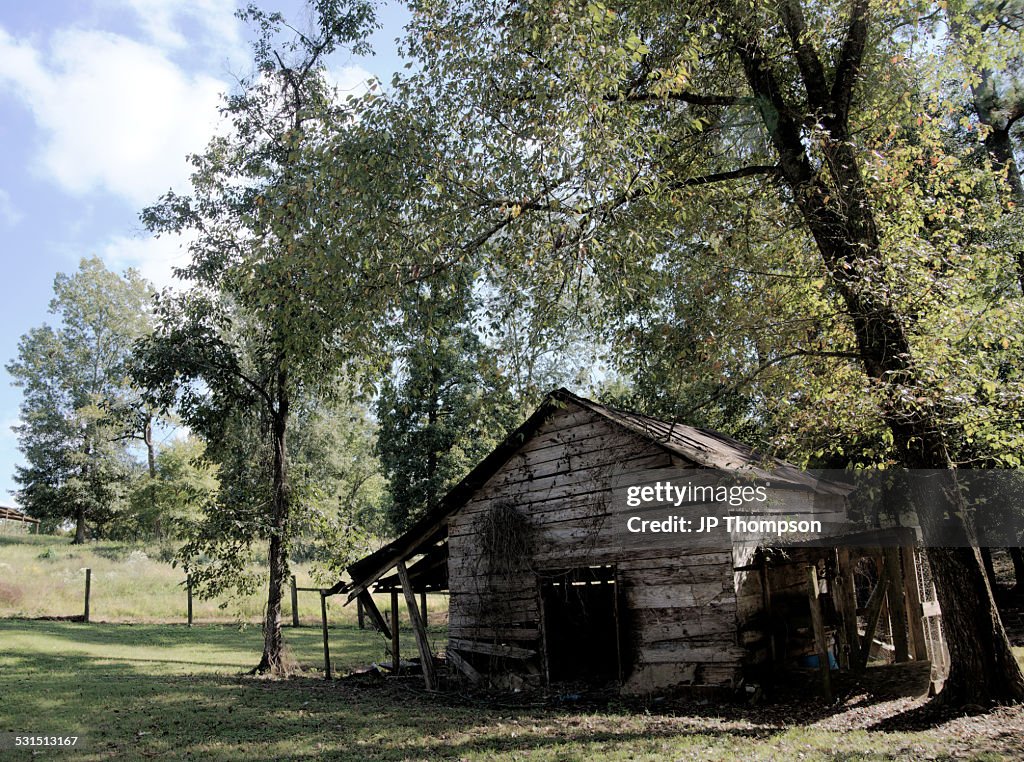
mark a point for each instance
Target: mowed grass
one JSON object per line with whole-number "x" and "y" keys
{"x": 139, "y": 692}
{"x": 44, "y": 576}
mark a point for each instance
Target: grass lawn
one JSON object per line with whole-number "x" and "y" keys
{"x": 152, "y": 691}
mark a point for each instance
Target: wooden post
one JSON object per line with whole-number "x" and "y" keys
{"x": 845, "y": 597}
{"x": 323, "y": 625}
{"x": 897, "y": 604}
{"x": 418, "y": 628}
{"x": 915, "y": 613}
{"x": 88, "y": 590}
{"x": 188, "y": 589}
{"x": 423, "y": 608}
{"x": 396, "y": 658}
{"x": 360, "y": 614}
{"x": 295, "y": 603}
{"x": 819, "y": 632}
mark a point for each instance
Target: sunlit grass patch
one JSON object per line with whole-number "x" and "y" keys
{"x": 44, "y": 576}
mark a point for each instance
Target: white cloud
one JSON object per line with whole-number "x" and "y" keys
{"x": 154, "y": 258}
{"x": 114, "y": 114}
{"x": 162, "y": 21}
{"x": 9, "y": 214}
{"x": 348, "y": 80}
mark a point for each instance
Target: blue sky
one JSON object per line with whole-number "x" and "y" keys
{"x": 100, "y": 102}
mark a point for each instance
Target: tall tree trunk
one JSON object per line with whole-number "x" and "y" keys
{"x": 273, "y": 640}
{"x": 147, "y": 436}
{"x": 837, "y": 211}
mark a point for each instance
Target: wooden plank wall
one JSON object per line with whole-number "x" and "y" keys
{"x": 677, "y": 607}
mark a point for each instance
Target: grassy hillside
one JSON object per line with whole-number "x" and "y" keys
{"x": 44, "y": 576}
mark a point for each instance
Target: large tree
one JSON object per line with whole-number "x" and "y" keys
{"x": 73, "y": 374}
{"x": 597, "y": 144}
{"x": 287, "y": 297}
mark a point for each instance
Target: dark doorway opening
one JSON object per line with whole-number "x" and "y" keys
{"x": 582, "y": 639}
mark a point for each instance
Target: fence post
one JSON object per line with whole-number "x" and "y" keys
{"x": 396, "y": 659}
{"x": 327, "y": 647}
{"x": 295, "y": 604}
{"x": 188, "y": 587}
{"x": 818, "y": 627}
{"x": 360, "y": 614}
{"x": 88, "y": 590}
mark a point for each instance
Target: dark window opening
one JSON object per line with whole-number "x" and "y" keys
{"x": 581, "y": 625}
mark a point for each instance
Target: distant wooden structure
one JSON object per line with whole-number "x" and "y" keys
{"x": 542, "y": 592}
{"x": 12, "y": 517}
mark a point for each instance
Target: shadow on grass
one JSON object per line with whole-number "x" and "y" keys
{"x": 112, "y": 696}
{"x": 229, "y": 648}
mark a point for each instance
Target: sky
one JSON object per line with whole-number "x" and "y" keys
{"x": 100, "y": 103}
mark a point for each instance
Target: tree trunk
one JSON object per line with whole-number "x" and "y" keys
{"x": 837, "y": 211}
{"x": 79, "y": 525}
{"x": 147, "y": 436}
{"x": 982, "y": 669}
{"x": 273, "y": 639}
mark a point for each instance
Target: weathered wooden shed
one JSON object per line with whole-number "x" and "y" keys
{"x": 546, "y": 586}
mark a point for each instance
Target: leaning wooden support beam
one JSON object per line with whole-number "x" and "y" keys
{"x": 370, "y": 607}
{"x": 463, "y": 666}
{"x": 871, "y": 615}
{"x": 420, "y": 630}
